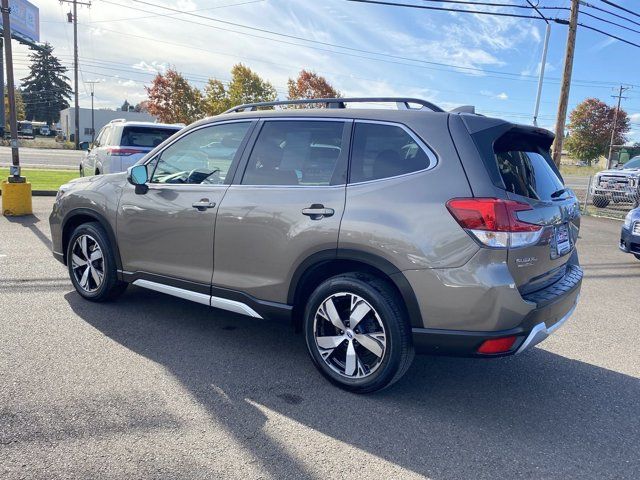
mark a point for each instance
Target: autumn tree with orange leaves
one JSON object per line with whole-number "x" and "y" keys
{"x": 172, "y": 99}
{"x": 310, "y": 85}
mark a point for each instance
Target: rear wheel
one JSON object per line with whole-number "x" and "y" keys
{"x": 600, "y": 201}
{"x": 92, "y": 265}
{"x": 357, "y": 332}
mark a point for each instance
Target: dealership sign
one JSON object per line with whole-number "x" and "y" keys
{"x": 25, "y": 21}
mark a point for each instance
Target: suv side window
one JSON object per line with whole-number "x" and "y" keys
{"x": 296, "y": 152}
{"x": 98, "y": 141}
{"x": 383, "y": 151}
{"x": 202, "y": 156}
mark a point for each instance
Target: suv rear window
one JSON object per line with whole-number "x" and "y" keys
{"x": 383, "y": 151}
{"x": 145, "y": 136}
{"x": 525, "y": 167}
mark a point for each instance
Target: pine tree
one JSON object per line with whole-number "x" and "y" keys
{"x": 46, "y": 89}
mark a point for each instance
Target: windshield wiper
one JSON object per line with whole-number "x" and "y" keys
{"x": 557, "y": 193}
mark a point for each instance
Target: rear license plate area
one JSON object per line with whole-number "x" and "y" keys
{"x": 563, "y": 241}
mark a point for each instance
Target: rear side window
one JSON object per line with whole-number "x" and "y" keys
{"x": 145, "y": 136}
{"x": 525, "y": 167}
{"x": 299, "y": 152}
{"x": 382, "y": 151}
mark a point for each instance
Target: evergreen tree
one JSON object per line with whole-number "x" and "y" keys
{"x": 46, "y": 89}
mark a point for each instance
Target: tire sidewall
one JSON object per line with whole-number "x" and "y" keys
{"x": 97, "y": 233}
{"x": 389, "y": 317}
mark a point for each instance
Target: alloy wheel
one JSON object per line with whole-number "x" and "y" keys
{"x": 349, "y": 335}
{"x": 87, "y": 263}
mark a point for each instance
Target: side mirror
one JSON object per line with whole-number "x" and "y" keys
{"x": 137, "y": 175}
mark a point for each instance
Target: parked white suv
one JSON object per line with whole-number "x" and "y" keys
{"x": 120, "y": 144}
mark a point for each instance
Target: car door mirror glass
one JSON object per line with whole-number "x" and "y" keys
{"x": 137, "y": 175}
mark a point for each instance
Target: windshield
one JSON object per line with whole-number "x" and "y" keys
{"x": 633, "y": 163}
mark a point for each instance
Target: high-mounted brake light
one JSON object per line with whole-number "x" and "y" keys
{"x": 494, "y": 222}
{"x": 123, "y": 152}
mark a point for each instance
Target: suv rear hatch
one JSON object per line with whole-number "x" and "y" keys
{"x": 138, "y": 140}
{"x": 542, "y": 213}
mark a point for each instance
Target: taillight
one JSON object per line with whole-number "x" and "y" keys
{"x": 494, "y": 222}
{"x": 123, "y": 152}
{"x": 497, "y": 345}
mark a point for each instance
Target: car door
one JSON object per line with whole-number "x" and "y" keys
{"x": 166, "y": 234}
{"x": 284, "y": 206}
{"x": 89, "y": 166}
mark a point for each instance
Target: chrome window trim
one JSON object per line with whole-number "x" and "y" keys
{"x": 431, "y": 155}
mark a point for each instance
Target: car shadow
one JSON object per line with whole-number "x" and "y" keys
{"x": 30, "y": 222}
{"x": 537, "y": 415}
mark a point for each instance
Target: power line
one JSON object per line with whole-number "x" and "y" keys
{"x": 595, "y": 7}
{"x": 620, "y": 7}
{"x": 609, "y": 34}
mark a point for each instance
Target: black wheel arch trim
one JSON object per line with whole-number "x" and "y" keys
{"x": 311, "y": 263}
{"x": 102, "y": 221}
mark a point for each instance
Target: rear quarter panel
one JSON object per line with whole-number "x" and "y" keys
{"x": 404, "y": 219}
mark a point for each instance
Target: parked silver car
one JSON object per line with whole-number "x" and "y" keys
{"x": 377, "y": 232}
{"x": 120, "y": 144}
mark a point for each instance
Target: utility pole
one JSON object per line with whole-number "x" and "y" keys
{"x": 11, "y": 93}
{"x": 615, "y": 122}
{"x": 93, "y": 130}
{"x": 543, "y": 63}
{"x": 74, "y": 18}
{"x": 566, "y": 82}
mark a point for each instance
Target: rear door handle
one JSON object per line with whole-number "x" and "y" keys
{"x": 317, "y": 211}
{"x": 203, "y": 205}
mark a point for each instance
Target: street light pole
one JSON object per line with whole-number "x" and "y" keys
{"x": 93, "y": 129}
{"x": 542, "y": 64}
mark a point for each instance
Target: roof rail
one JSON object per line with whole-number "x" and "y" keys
{"x": 402, "y": 103}
{"x": 116, "y": 120}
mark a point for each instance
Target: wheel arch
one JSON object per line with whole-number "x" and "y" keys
{"x": 77, "y": 217}
{"x": 325, "y": 264}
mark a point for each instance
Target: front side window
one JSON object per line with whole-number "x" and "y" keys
{"x": 383, "y": 151}
{"x": 297, "y": 152}
{"x": 203, "y": 156}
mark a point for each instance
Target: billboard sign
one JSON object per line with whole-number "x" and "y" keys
{"x": 25, "y": 20}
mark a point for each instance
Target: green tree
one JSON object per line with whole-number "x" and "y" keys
{"x": 590, "y": 126}
{"x": 172, "y": 99}
{"x": 245, "y": 86}
{"x": 20, "y": 111}
{"x": 310, "y": 85}
{"x": 46, "y": 89}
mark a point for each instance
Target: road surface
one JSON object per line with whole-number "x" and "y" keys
{"x": 43, "y": 158}
{"x": 151, "y": 386}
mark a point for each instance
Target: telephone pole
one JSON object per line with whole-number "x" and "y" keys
{"x": 11, "y": 93}
{"x": 74, "y": 18}
{"x": 615, "y": 122}
{"x": 566, "y": 82}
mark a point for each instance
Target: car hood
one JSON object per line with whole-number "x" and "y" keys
{"x": 628, "y": 172}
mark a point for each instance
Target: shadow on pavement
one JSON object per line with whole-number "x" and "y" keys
{"x": 30, "y": 221}
{"x": 539, "y": 415}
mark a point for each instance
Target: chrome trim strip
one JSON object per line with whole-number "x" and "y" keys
{"x": 217, "y": 302}
{"x": 175, "y": 291}
{"x": 234, "y": 306}
{"x": 540, "y": 332}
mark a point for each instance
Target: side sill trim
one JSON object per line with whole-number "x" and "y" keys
{"x": 217, "y": 302}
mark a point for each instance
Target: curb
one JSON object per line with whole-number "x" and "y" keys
{"x": 41, "y": 193}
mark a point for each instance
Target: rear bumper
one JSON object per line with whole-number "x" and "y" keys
{"x": 554, "y": 306}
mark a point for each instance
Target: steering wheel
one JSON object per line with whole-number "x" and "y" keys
{"x": 199, "y": 175}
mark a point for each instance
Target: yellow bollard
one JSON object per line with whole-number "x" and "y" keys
{"x": 16, "y": 198}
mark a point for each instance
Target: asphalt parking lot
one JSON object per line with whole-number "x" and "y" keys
{"x": 156, "y": 387}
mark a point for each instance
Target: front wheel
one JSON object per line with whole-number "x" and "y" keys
{"x": 92, "y": 265}
{"x": 357, "y": 332}
{"x": 600, "y": 201}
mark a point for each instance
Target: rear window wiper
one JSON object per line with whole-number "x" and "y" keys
{"x": 557, "y": 193}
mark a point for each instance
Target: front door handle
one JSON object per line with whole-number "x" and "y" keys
{"x": 317, "y": 211}
{"x": 203, "y": 205}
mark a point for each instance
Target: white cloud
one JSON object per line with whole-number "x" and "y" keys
{"x": 502, "y": 96}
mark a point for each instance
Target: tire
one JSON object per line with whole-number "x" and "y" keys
{"x": 383, "y": 327}
{"x": 81, "y": 171}
{"x": 98, "y": 281}
{"x": 600, "y": 201}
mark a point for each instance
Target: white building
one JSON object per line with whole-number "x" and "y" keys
{"x": 101, "y": 118}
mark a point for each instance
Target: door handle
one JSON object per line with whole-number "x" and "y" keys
{"x": 203, "y": 205}
{"x": 317, "y": 211}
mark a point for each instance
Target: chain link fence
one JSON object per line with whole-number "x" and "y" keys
{"x": 609, "y": 196}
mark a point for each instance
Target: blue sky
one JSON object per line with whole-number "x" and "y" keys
{"x": 123, "y": 42}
